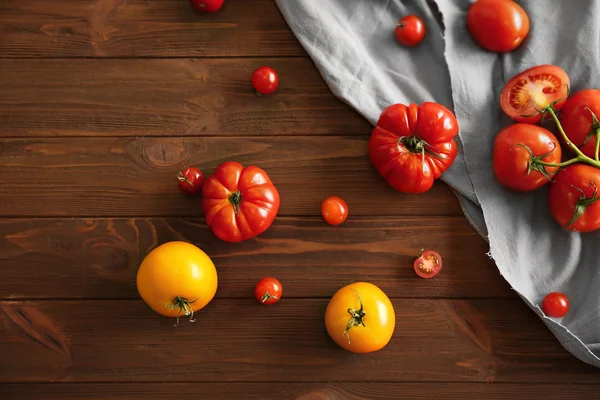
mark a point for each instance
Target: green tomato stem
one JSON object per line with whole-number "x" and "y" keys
{"x": 580, "y": 156}
{"x": 597, "y": 144}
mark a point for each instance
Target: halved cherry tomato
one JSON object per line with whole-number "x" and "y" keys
{"x": 207, "y": 6}
{"x": 191, "y": 180}
{"x": 268, "y": 290}
{"x": 555, "y": 305}
{"x": 334, "y": 210}
{"x": 498, "y": 26}
{"x": 516, "y": 149}
{"x": 579, "y": 119}
{"x": 265, "y": 80}
{"x": 573, "y": 198}
{"x": 410, "y": 31}
{"x": 360, "y": 318}
{"x": 428, "y": 264}
{"x": 532, "y": 90}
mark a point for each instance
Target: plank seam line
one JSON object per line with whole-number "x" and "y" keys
{"x": 229, "y": 298}
{"x": 199, "y": 382}
{"x": 188, "y": 57}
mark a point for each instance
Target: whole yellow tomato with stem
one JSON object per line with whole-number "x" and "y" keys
{"x": 360, "y": 318}
{"x": 177, "y": 278}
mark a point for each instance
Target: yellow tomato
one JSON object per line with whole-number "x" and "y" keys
{"x": 177, "y": 278}
{"x": 360, "y": 318}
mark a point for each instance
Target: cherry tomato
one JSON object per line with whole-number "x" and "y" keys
{"x": 265, "y": 80}
{"x": 191, "y": 180}
{"x": 207, "y": 6}
{"x": 514, "y": 164}
{"x": 428, "y": 264}
{"x": 532, "y": 90}
{"x": 498, "y": 26}
{"x": 555, "y": 305}
{"x": 579, "y": 119}
{"x": 410, "y": 31}
{"x": 360, "y": 318}
{"x": 268, "y": 290}
{"x": 334, "y": 210}
{"x": 573, "y": 198}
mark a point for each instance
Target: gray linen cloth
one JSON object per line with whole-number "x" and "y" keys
{"x": 352, "y": 44}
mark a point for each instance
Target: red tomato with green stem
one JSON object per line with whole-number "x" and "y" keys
{"x": 190, "y": 181}
{"x": 527, "y": 94}
{"x": 573, "y": 198}
{"x": 521, "y": 156}
{"x": 428, "y": 264}
{"x": 239, "y": 203}
{"x": 555, "y": 305}
{"x": 579, "y": 119}
{"x": 413, "y": 145}
{"x": 334, "y": 210}
{"x": 497, "y": 26}
{"x": 268, "y": 290}
{"x": 410, "y": 31}
{"x": 265, "y": 80}
{"x": 207, "y": 6}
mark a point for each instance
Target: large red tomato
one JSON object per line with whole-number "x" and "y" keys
{"x": 413, "y": 145}
{"x": 573, "y": 198}
{"x": 579, "y": 119}
{"x": 497, "y": 25}
{"x": 518, "y": 151}
{"x": 239, "y": 203}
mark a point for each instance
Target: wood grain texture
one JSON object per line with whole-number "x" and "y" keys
{"x": 99, "y": 258}
{"x": 168, "y": 98}
{"x": 300, "y": 391}
{"x": 142, "y": 28}
{"x": 241, "y": 340}
{"x": 137, "y": 176}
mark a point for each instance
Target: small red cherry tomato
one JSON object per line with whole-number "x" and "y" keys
{"x": 268, "y": 290}
{"x": 555, "y": 305}
{"x": 207, "y": 6}
{"x": 191, "y": 180}
{"x": 428, "y": 264}
{"x": 265, "y": 80}
{"x": 334, "y": 210}
{"x": 410, "y": 31}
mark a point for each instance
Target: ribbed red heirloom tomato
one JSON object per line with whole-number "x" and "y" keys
{"x": 413, "y": 145}
{"x": 239, "y": 203}
{"x": 497, "y": 25}
{"x": 516, "y": 149}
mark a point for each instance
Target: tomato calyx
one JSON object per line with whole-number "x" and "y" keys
{"x": 417, "y": 145}
{"x": 357, "y": 316}
{"x": 594, "y": 131}
{"x": 182, "y": 178}
{"x": 267, "y": 296}
{"x": 583, "y": 202}
{"x": 184, "y": 306}
{"x": 537, "y": 163}
{"x": 235, "y": 199}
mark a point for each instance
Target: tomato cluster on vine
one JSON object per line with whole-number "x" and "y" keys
{"x": 528, "y": 156}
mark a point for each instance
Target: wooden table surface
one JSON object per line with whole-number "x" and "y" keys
{"x": 103, "y": 102}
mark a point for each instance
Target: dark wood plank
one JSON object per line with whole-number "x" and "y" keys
{"x": 137, "y": 177}
{"x": 142, "y": 28}
{"x": 168, "y": 98}
{"x": 241, "y": 340}
{"x": 300, "y": 391}
{"x": 99, "y": 258}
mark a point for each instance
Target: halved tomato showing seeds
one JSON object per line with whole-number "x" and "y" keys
{"x": 428, "y": 264}
{"x": 531, "y": 91}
